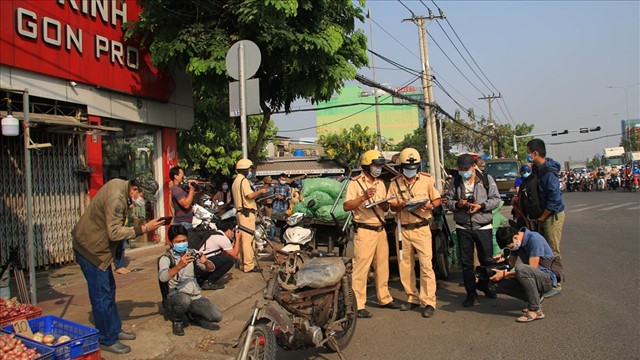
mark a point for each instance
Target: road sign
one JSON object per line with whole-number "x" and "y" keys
{"x": 252, "y": 59}
{"x": 252, "y": 97}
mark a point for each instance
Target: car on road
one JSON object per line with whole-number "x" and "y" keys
{"x": 504, "y": 172}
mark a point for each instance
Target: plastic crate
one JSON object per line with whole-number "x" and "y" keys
{"x": 46, "y": 352}
{"x": 90, "y": 356}
{"x": 84, "y": 339}
{"x": 32, "y": 313}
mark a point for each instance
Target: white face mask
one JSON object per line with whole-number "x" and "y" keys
{"x": 138, "y": 201}
{"x": 410, "y": 173}
{"x": 516, "y": 245}
{"x": 376, "y": 171}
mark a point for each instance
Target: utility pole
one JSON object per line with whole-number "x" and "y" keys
{"x": 435, "y": 167}
{"x": 490, "y": 99}
{"x": 375, "y": 91}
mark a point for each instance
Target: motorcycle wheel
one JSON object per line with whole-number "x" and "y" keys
{"x": 263, "y": 343}
{"x": 343, "y": 337}
{"x": 441, "y": 257}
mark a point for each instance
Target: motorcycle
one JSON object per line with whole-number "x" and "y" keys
{"x": 572, "y": 184}
{"x": 587, "y": 184}
{"x": 613, "y": 182}
{"x": 601, "y": 184}
{"x": 296, "y": 236}
{"x": 293, "y": 314}
{"x": 636, "y": 182}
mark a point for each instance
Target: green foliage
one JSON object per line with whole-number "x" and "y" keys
{"x": 308, "y": 47}
{"x": 632, "y": 141}
{"x": 347, "y": 146}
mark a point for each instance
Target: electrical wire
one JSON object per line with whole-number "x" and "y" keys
{"x": 406, "y": 7}
{"x": 397, "y": 64}
{"x": 394, "y": 38}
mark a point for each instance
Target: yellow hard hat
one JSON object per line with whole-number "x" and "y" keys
{"x": 244, "y": 164}
{"x": 372, "y": 156}
{"x": 410, "y": 158}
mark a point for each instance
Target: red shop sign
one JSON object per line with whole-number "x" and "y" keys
{"x": 80, "y": 40}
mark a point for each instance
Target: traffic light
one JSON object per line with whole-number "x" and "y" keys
{"x": 584, "y": 130}
{"x": 597, "y": 128}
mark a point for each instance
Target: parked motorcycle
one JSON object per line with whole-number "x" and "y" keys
{"x": 297, "y": 315}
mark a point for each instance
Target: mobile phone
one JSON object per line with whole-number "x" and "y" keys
{"x": 167, "y": 219}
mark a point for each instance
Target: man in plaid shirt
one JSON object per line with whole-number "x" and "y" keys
{"x": 282, "y": 197}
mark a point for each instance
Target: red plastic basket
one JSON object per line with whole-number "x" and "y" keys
{"x": 32, "y": 313}
{"x": 90, "y": 356}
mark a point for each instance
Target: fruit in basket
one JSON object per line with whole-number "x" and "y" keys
{"x": 39, "y": 337}
{"x": 48, "y": 339}
{"x": 13, "y": 348}
{"x": 13, "y": 308}
{"x": 62, "y": 339}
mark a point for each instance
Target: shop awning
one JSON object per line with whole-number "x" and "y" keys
{"x": 298, "y": 166}
{"x": 60, "y": 120}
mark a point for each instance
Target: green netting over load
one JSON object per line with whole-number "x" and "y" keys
{"x": 321, "y": 198}
{"x": 339, "y": 213}
{"x": 329, "y": 186}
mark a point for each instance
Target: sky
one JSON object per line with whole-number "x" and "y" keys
{"x": 552, "y": 61}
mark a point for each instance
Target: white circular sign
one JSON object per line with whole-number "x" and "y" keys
{"x": 252, "y": 59}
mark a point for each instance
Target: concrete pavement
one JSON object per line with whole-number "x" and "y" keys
{"x": 63, "y": 292}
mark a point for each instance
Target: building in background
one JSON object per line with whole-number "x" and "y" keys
{"x": 96, "y": 98}
{"x": 629, "y": 126}
{"x": 397, "y": 117}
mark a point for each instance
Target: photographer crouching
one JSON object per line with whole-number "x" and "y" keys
{"x": 534, "y": 276}
{"x": 177, "y": 267}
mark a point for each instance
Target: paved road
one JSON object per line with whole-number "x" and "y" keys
{"x": 596, "y": 317}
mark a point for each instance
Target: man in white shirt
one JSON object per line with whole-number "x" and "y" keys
{"x": 219, "y": 250}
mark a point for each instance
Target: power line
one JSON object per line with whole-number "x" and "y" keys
{"x": 398, "y": 65}
{"x": 406, "y": 7}
{"x": 394, "y": 38}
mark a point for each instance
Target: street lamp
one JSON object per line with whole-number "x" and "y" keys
{"x": 626, "y": 96}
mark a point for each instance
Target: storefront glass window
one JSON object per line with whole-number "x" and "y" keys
{"x": 127, "y": 154}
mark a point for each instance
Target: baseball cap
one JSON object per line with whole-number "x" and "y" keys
{"x": 525, "y": 168}
{"x": 148, "y": 186}
{"x": 466, "y": 160}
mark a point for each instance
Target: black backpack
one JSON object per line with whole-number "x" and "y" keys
{"x": 528, "y": 199}
{"x": 164, "y": 286}
{"x": 198, "y": 236}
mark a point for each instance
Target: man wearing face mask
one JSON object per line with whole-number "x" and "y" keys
{"x": 370, "y": 244}
{"x": 219, "y": 250}
{"x": 96, "y": 239}
{"x": 177, "y": 268}
{"x": 530, "y": 277}
{"x": 224, "y": 195}
{"x": 282, "y": 194}
{"x": 550, "y": 223}
{"x": 416, "y": 233}
{"x": 472, "y": 196}
{"x": 244, "y": 199}
{"x": 525, "y": 171}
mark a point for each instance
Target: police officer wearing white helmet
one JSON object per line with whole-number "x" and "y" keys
{"x": 245, "y": 204}
{"x": 413, "y": 185}
{"x": 370, "y": 244}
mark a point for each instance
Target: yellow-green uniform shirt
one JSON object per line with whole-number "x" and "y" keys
{"x": 240, "y": 188}
{"x": 422, "y": 188}
{"x": 357, "y": 187}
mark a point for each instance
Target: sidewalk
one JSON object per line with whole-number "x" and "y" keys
{"x": 62, "y": 292}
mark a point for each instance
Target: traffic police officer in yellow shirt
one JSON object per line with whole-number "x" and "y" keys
{"x": 245, "y": 204}
{"x": 413, "y": 186}
{"x": 371, "y": 240}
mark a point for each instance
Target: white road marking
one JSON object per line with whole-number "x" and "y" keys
{"x": 590, "y": 207}
{"x": 617, "y": 206}
{"x": 634, "y": 208}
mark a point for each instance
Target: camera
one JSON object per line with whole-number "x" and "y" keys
{"x": 185, "y": 186}
{"x": 195, "y": 254}
{"x": 485, "y": 272}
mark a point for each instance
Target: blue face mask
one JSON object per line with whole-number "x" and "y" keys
{"x": 249, "y": 175}
{"x": 529, "y": 159}
{"x": 524, "y": 175}
{"x": 409, "y": 173}
{"x": 180, "y": 247}
{"x": 225, "y": 187}
{"x": 466, "y": 174}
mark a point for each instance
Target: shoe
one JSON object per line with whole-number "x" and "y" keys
{"x": 408, "y": 306}
{"x": 211, "y": 286}
{"x": 428, "y": 311}
{"x": 177, "y": 328}
{"x": 551, "y": 293}
{"x": 392, "y": 305}
{"x": 254, "y": 270}
{"x": 116, "y": 348}
{"x": 122, "y": 271}
{"x": 471, "y": 301}
{"x": 123, "y": 335}
{"x": 364, "y": 314}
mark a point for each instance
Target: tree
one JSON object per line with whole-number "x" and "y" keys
{"x": 309, "y": 48}
{"x": 632, "y": 141}
{"x": 346, "y": 146}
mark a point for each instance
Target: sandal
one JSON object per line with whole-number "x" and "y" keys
{"x": 527, "y": 317}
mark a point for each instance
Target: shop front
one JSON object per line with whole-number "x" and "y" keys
{"x": 95, "y": 97}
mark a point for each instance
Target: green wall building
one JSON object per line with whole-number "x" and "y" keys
{"x": 397, "y": 117}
